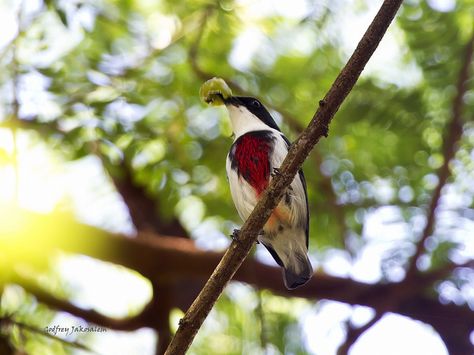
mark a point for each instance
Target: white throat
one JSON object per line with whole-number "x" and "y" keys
{"x": 243, "y": 121}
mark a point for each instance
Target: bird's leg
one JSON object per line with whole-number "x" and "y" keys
{"x": 235, "y": 235}
{"x": 276, "y": 172}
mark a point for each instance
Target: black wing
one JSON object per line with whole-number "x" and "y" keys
{"x": 303, "y": 182}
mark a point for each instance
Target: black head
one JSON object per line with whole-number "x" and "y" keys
{"x": 255, "y": 107}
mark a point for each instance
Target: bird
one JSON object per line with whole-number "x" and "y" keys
{"x": 254, "y": 158}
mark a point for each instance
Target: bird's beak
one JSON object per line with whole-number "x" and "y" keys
{"x": 232, "y": 100}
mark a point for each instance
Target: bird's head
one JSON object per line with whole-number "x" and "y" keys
{"x": 248, "y": 114}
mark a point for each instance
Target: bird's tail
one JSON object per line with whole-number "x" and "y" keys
{"x": 289, "y": 251}
{"x": 297, "y": 271}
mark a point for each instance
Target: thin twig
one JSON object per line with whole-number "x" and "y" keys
{"x": 292, "y": 122}
{"x": 261, "y": 317}
{"x": 298, "y": 152}
{"x": 449, "y": 150}
{"x": 392, "y": 301}
{"x": 43, "y": 296}
{"x": 10, "y": 322}
{"x": 189, "y": 25}
{"x": 354, "y": 333}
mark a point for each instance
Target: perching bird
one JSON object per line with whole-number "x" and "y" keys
{"x": 258, "y": 150}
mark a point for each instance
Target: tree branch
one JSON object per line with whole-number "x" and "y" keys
{"x": 447, "y": 320}
{"x": 166, "y": 260}
{"x": 9, "y": 322}
{"x": 144, "y": 212}
{"x": 354, "y": 333}
{"x": 298, "y": 152}
{"x": 449, "y": 150}
{"x": 43, "y": 296}
{"x": 143, "y": 209}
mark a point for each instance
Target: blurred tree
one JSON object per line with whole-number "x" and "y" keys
{"x": 119, "y": 81}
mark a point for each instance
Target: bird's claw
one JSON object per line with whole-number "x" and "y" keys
{"x": 235, "y": 235}
{"x": 276, "y": 172}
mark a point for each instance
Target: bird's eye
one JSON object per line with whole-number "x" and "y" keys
{"x": 256, "y": 104}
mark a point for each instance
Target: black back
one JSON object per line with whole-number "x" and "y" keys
{"x": 303, "y": 181}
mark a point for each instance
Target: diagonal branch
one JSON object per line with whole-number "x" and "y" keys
{"x": 449, "y": 150}
{"x": 189, "y": 25}
{"x": 143, "y": 209}
{"x": 354, "y": 333}
{"x": 298, "y": 152}
{"x": 9, "y": 322}
{"x": 43, "y": 296}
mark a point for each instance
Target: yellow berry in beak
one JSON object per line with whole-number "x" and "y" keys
{"x": 214, "y": 92}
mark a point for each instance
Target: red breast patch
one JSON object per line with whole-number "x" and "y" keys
{"x": 251, "y": 158}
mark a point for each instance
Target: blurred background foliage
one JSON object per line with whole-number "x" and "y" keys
{"x": 118, "y": 81}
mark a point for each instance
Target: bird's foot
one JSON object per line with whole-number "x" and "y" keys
{"x": 235, "y": 235}
{"x": 276, "y": 172}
